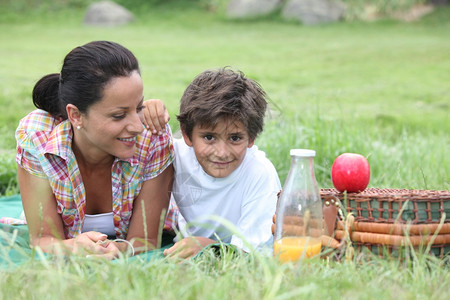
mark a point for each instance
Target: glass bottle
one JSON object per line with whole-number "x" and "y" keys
{"x": 298, "y": 224}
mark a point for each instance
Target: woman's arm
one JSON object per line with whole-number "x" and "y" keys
{"x": 152, "y": 202}
{"x": 45, "y": 224}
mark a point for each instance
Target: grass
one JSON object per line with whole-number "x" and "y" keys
{"x": 8, "y": 180}
{"x": 230, "y": 277}
{"x": 380, "y": 89}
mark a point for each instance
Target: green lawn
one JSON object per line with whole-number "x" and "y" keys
{"x": 380, "y": 89}
{"x": 246, "y": 278}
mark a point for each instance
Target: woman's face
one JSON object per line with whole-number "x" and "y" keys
{"x": 110, "y": 126}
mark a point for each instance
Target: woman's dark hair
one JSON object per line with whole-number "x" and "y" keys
{"x": 85, "y": 72}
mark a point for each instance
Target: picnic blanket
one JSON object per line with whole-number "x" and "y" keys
{"x": 11, "y": 209}
{"x": 14, "y": 240}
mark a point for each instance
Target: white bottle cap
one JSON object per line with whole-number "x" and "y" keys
{"x": 303, "y": 152}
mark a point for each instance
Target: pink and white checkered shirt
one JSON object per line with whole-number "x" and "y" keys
{"x": 44, "y": 150}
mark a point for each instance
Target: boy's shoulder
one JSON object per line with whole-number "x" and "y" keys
{"x": 257, "y": 172}
{"x": 180, "y": 146}
{"x": 184, "y": 155}
{"x": 256, "y": 161}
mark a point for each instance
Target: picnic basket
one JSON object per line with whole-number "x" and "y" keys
{"x": 387, "y": 221}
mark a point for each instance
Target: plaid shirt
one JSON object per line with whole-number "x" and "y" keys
{"x": 44, "y": 150}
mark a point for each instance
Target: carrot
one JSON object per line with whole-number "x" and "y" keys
{"x": 393, "y": 240}
{"x": 398, "y": 228}
{"x": 328, "y": 241}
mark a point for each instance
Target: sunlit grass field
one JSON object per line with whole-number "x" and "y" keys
{"x": 380, "y": 89}
{"x": 241, "y": 277}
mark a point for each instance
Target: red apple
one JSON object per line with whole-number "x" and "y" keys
{"x": 350, "y": 172}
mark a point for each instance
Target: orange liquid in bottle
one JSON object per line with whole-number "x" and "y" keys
{"x": 294, "y": 248}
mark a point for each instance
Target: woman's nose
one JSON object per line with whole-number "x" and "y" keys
{"x": 136, "y": 124}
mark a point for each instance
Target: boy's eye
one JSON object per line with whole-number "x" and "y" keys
{"x": 208, "y": 137}
{"x": 235, "y": 138}
{"x": 140, "y": 108}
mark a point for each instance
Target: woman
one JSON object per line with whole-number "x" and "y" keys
{"x": 88, "y": 170}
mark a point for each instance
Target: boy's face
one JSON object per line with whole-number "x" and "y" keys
{"x": 222, "y": 149}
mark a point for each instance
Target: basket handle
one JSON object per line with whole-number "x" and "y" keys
{"x": 330, "y": 215}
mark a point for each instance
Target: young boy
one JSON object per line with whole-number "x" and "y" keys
{"x": 219, "y": 173}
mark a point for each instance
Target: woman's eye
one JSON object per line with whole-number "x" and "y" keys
{"x": 118, "y": 117}
{"x": 140, "y": 108}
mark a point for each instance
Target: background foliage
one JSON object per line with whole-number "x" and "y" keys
{"x": 379, "y": 88}
{"x": 355, "y": 8}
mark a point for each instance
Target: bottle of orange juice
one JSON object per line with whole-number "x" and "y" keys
{"x": 298, "y": 224}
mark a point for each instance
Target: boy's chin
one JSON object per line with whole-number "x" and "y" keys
{"x": 219, "y": 173}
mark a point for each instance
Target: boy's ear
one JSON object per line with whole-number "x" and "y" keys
{"x": 74, "y": 115}
{"x": 251, "y": 143}
{"x": 187, "y": 140}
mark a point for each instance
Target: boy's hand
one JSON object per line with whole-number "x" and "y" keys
{"x": 155, "y": 116}
{"x": 188, "y": 247}
{"x": 274, "y": 219}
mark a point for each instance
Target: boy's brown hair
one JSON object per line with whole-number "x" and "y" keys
{"x": 216, "y": 95}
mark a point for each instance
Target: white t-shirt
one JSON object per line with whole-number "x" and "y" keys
{"x": 246, "y": 199}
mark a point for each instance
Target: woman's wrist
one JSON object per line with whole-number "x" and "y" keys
{"x": 125, "y": 246}
{"x": 52, "y": 245}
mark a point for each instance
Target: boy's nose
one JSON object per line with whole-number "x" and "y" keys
{"x": 221, "y": 150}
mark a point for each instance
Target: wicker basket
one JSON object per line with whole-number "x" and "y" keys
{"x": 387, "y": 221}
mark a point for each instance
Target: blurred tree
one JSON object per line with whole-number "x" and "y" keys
{"x": 439, "y": 2}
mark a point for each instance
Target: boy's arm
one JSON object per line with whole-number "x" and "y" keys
{"x": 188, "y": 247}
{"x": 155, "y": 116}
{"x": 258, "y": 208}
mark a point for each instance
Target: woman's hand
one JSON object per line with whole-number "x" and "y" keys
{"x": 155, "y": 116}
{"x": 93, "y": 244}
{"x": 188, "y": 247}
{"x": 45, "y": 224}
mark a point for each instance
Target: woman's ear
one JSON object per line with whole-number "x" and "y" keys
{"x": 187, "y": 140}
{"x": 74, "y": 115}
